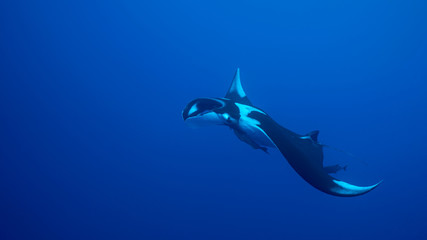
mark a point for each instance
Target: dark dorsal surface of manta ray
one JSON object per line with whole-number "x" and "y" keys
{"x": 256, "y": 128}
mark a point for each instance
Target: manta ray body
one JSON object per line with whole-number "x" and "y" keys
{"x": 256, "y": 128}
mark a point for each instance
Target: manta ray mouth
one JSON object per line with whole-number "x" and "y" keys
{"x": 205, "y": 119}
{"x": 204, "y": 112}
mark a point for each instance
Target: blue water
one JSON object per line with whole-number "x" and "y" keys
{"x": 92, "y": 144}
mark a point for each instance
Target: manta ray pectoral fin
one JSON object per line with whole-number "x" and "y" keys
{"x": 307, "y": 158}
{"x": 344, "y": 189}
{"x": 327, "y": 184}
{"x": 235, "y": 92}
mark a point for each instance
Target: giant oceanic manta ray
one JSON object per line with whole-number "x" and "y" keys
{"x": 256, "y": 128}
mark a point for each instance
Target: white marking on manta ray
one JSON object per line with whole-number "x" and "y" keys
{"x": 347, "y": 188}
{"x": 239, "y": 91}
{"x": 246, "y": 109}
{"x": 192, "y": 109}
{"x": 226, "y": 116}
{"x": 246, "y": 123}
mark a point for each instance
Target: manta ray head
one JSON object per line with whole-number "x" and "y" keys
{"x": 205, "y": 112}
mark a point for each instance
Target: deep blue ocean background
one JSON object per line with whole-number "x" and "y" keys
{"x": 93, "y": 146}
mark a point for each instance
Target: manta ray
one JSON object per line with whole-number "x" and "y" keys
{"x": 256, "y": 128}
